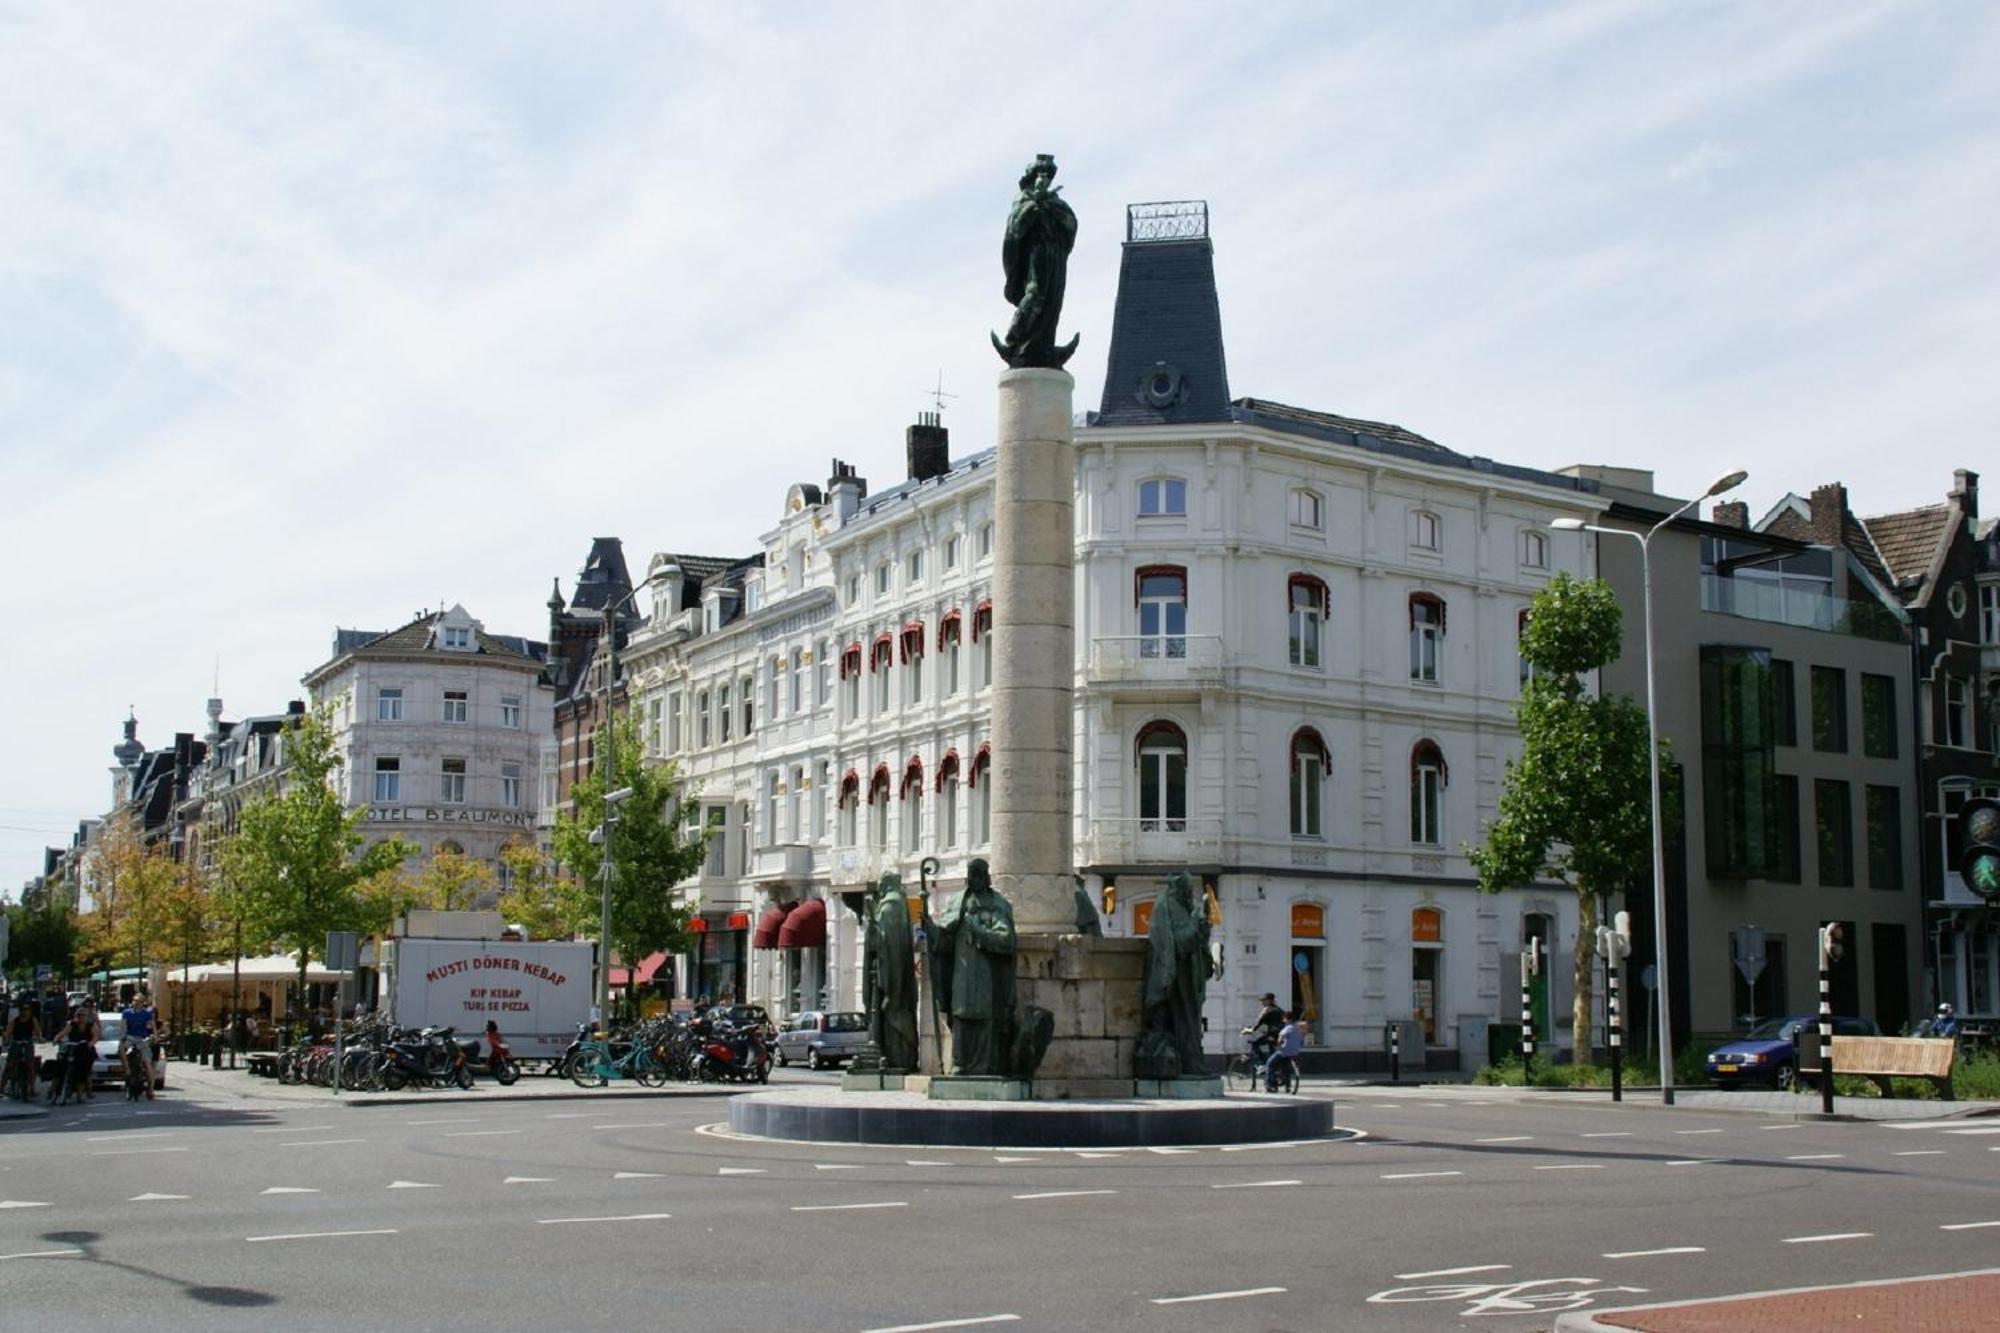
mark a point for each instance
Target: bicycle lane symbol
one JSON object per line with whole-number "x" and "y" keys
{"x": 1555, "y": 1294}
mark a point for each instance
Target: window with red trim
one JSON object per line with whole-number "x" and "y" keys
{"x": 982, "y": 620}
{"x": 1162, "y": 756}
{"x": 878, "y": 784}
{"x": 981, "y": 761}
{"x": 1161, "y": 594}
{"x": 850, "y": 788}
{"x": 913, "y": 640}
{"x": 1310, "y": 763}
{"x": 850, "y": 660}
{"x": 1426, "y": 633}
{"x": 1428, "y": 779}
{"x": 1305, "y": 603}
{"x": 913, "y": 776}
{"x": 949, "y": 628}
{"x": 947, "y": 768}
{"x": 883, "y": 653}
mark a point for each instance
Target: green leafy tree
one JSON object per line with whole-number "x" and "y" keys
{"x": 649, "y": 852}
{"x": 291, "y": 865}
{"x": 43, "y": 932}
{"x": 549, "y": 906}
{"x": 1576, "y": 806}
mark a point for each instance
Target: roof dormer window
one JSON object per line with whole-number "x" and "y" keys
{"x": 455, "y": 638}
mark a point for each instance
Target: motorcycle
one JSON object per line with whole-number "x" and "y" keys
{"x": 499, "y": 1060}
{"x": 727, "y": 1055}
{"x": 427, "y": 1057}
{"x": 563, "y": 1067}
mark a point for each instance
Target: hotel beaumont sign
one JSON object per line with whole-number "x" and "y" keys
{"x": 450, "y": 814}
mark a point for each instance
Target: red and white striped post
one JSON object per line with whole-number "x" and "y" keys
{"x": 1829, "y": 954}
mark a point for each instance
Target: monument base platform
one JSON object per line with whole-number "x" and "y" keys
{"x": 911, "y": 1119}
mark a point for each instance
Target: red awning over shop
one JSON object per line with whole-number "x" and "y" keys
{"x": 648, "y": 966}
{"x": 805, "y": 927}
{"x": 766, "y": 936}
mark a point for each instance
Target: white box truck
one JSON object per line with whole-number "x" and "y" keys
{"x": 537, "y": 993}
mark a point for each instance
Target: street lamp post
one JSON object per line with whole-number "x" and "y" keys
{"x": 611, "y": 798}
{"x": 1728, "y": 482}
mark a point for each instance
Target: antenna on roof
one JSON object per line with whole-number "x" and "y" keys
{"x": 938, "y": 395}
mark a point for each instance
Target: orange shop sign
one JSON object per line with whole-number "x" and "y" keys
{"x": 1142, "y": 917}
{"x": 1308, "y": 921}
{"x": 1426, "y": 926}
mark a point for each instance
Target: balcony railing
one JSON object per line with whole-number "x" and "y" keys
{"x": 860, "y": 865}
{"x": 1165, "y": 842}
{"x": 1162, "y": 659}
{"x": 1789, "y": 604}
{"x": 785, "y": 862}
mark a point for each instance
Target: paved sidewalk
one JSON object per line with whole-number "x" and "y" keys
{"x": 202, "y": 1083}
{"x": 1770, "y": 1105}
{"x": 1940, "y": 1303}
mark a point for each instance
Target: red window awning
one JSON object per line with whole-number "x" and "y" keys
{"x": 982, "y": 619}
{"x": 766, "y": 934}
{"x": 850, "y": 660}
{"x": 805, "y": 927}
{"x": 979, "y": 763}
{"x": 884, "y": 651}
{"x": 949, "y": 627}
{"x": 947, "y": 767}
{"x": 912, "y": 772}
{"x": 913, "y": 640}
{"x": 879, "y": 783}
{"x": 1314, "y": 587}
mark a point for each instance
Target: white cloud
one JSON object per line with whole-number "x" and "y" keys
{"x": 316, "y": 321}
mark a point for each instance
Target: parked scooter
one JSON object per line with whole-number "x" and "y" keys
{"x": 563, "y": 1067}
{"x": 732, "y": 1055}
{"x": 426, "y": 1057}
{"x": 499, "y": 1060}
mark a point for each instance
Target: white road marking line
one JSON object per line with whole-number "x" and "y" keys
{"x": 570, "y": 1115}
{"x": 1219, "y": 1295}
{"x": 836, "y": 1166}
{"x": 1966, "y": 1226}
{"x": 1007, "y": 1161}
{"x": 1420, "y": 1175}
{"x": 41, "y": 1254}
{"x": 1697, "y": 1131}
{"x": 842, "y": 1207}
{"x": 291, "y": 1129}
{"x": 1922, "y": 1124}
{"x": 1781, "y": 1126}
{"x": 1647, "y": 1254}
{"x": 1831, "y": 1235}
{"x": 1573, "y": 1166}
{"x": 477, "y": 1133}
{"x": 1507, "y": 1138}
{"x": 153, "y": 1198}
{"x": 288, "y": 1189}
{"x": 1063, "y": 1194}
{"x": 1257, "y": 1185}
{"x": 132, "y": 1152}
{"x": 454, "y": 1120}
{"x": 1693, "y": 1161}
{"x": 320, "y": 1143}
{"x": 1435, "y": 1105}
{"x": 320, "y": 1235}
{"x": 648, "y": 1124}
{"x": 638, "y": 1175}
{"x": 123, "y": 1138}
{"x": 1171, "y": 1152}
{"x": 20, "y": 1203}
{"x": 527, "y": 1180}
{"x": 1101, "y": 1154}
{"x": 1919, "y": 1152}
{"x": 747, "y": 1170}
{"x": 1259, "y": 1147}
{"x": 410, "y": 1185}
{"x": 950, "y": 1323}
{"x": 1815, "y": 1156}
{"x": 912, "y": 1162}
{"x": 1986, "y": 1129}
{"x": 1609, "y": 1134}
{"x": 1452, "y": 1272}
{"x": 628, "y": 1217}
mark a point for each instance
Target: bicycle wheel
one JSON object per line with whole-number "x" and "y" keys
{"x": 650, "y": 1069}
{"x": 1241, "y": 1074}
{"x": 1287, "y": 1076}
{"x": 583, "y": 1071}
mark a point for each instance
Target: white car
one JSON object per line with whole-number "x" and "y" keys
{"x": 106, "y": 1068}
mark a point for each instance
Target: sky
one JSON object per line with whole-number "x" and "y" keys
{"x": 317, "y": 316}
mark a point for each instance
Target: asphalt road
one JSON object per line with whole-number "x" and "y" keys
{"x": 1444, "y": 1210}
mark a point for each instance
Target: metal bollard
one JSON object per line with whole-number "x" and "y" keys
{"x": 1527, "y": 1036}
{"x": 1617, "y": 1036}
{"x": 1395, "y": 1051}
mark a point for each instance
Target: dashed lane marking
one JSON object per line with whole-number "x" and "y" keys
{"x": 1983, "y": 1129}
{"x": 1919, "y": 1152}
{"x": 1693, "y": 1161}
{"x": 1508, "y": 1138}
{"x": 1171, "y": 1152}
{"x": 1420, "y": 1175}
{"x": 1966, "y": 1226}
{"x": 154, "y": 1198}
{"x": 20, "y": 1203}
{"x": 41, "y": 1254}
{"x": 1257, "y": 1185}
{"x": 836, "y": 1166}
{"x": 638, "y": 1175}
{"x": 1063, "y": 1194}
{"x": 842, "y": 1207}
{"x": 289, "y": 1189}
{"x": 1697, "y": 1131}
{"x": 527, "y": 1180}
{"x": 1610, "y": 1134}
{"x": 645, "y": 1124}
{"x": 410, "y": 1185}
{"x": 744, "y": 1170}
{"x": 291, "y": 1129}
{"x": 452, "y": 1120}
{"x": 1452, "y": 1272}
{"x": 321, "y": 1235}
{"x": 1816, "y": 1157}
{"x": 913, "y": 1162}
{"x": 950, "y": 1323}
{"x": 132, "y": 1152}
{"x": 1781, "y": 1126}
{"x": 477, "y": 1133}
{"x": 627, "y": 1217}
{"x": 127, "y": 1138}
{"x": 1573, "y": 1166}
{"x": 1831, "y": 1235}
{"x": 1219, "y": 1295}
{"x": 1648, "y": 1254}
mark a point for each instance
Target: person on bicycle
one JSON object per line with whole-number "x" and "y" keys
{"x": 22, "y": 1034}
{"x": 1291, "y": 1041}
{"x": 1263, "y": 1033}
{"x": 138, "y": 1017}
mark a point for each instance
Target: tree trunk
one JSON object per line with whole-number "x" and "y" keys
{"x": 1585, "y": 960}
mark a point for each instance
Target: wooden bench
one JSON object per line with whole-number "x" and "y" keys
{"x": 1884, "y": 1058}
{"x": 264, "y": 1064}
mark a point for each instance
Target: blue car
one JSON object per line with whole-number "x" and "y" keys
{"x": 1768, "y": 1054}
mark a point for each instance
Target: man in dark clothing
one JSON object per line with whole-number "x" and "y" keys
{"x": 1264, "y": 1032}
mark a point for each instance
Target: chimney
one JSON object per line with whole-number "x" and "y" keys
{"x": 1829, "y": 513}
{"x": 295, "y": 708}
{"x": 845, "y": 490}
{"x": 930, "y": 447}
{"x": 1731, "y": 514}
{"x": 1965, "y": 491}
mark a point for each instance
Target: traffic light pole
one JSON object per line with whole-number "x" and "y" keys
{"x": 1826, "y": 948}
{"x": 1611, "y": 971}
{"x": 1527, "y": 1016}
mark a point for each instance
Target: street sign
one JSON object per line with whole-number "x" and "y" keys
{"x": 343, "y": 950}
{"x": 1746, "y": 944}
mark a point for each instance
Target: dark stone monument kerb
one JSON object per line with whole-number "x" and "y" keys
{"x": 909, "y": 1121}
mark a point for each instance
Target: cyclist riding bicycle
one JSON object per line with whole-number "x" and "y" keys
{"x": 138, "y": 1017}
{"x": 1291, "y": 1041}
{"x": 1263, "y": 1033}
{"x": 22, "y": 1034}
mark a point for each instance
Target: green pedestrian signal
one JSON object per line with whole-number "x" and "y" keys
{"x": 1979, "y": 847}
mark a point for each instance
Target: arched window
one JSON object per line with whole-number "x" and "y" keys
{"x": 1307, "y": 510}
{"x": 913, "y": 777}
{"x": 982, "y": 639}
{"x": 878, "y": 808}
{"x": 913, "y": 804}
{"x": 947, "y": 792}
{"x": 1534, "y": 549}
{"x": 849, "y": 806}
{"x": 850, "y": 660}
{"x": 1428, "y": 779}
{"x": 1162, "y": 756}
{"x": 912, "y": 638}
{"x": 880, "y": 657}
{"x": 1310, "y": 762}
{"x": 878, "y": 784}
{"x": 1426, "y": 629}
{"x": 1306, "y": 601}
{"x": 948, "y": 652}
{"x": 1161, "y": 592}
{"x": 1162, "y": 497}
{"x": 982, "y": 795}
{"x": 1426, "y": 531}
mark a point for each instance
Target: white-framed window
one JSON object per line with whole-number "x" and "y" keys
{"x": 1426, "y": 632}
{"x": 774, "y": 689}
{"x": 451, "y": 782}
{"x": 674, "y": 723}
{"x": 1163, "y": 497}
{"x": 725, "y": 716}
{"x": 982, "y": 637}
{"x": 878, "y": 810}
{"x": 913, "y": 567}
{"x": 913, "y": 815}
{"x": 951, "y": 545}
{"x": 795, "y": 795}
{"x": 853, "y": 597}
{"x": 388, "y": 778}
{"x": 1307, "y": 510}
{"x": 1426, "y": 531}
{"x": 852, "y": 703}
{"x": 1162, "y": 592}
{"x": 701, "y": 720}
{"x": 389, "y": 703}
{"x": 772, "y": 782}
{"x": 458, "y": 638}
{"x": 947, "y": 814}
{"x": 982, "y": 802}
{"x": 913, "y": 678}
{"x": 655, "y": 731}
{"x": 1308, "y": 602}
{"x": 510, "y": 786}
{"x": 1989, "y": 613}
{"x": 457, "y": 706}
{"x": 715, "y": 826}
{"x": 986, "y": 541}
{"x": 881, "y": 659}
{"x": 1534, "y": 549}
{"x": 823, "y": 665}
{"x": 850, "y": 808}
{"x": 749, "y": 698}
{"x": 798, "y": 678}
{"x": 1308, "y": 782}
{"x": 1162, "y": 760}
{"x": 1957, "y": 712}
{"x": 882, "y": 579}
{"x": 822, "y": 792}
{"x": 948, "y": 662}
{"x": 510, "y": 711}
{"x": 1427, "y": 783}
